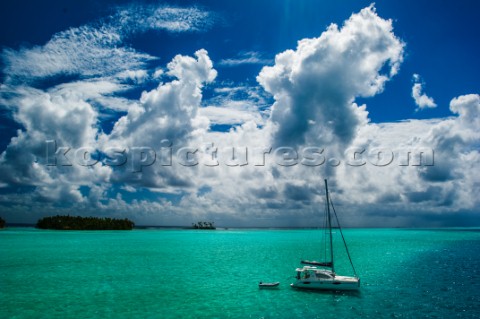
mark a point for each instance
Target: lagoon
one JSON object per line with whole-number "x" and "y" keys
{"x": 158, "y": 273}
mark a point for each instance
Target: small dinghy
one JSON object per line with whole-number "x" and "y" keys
{"x": 268, "y": 284}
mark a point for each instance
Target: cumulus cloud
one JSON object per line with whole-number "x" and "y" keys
{"x": 468, "y": 108}
{"x": 454, "y": 143}
{"x": 103, "y": 66}
{"x": 421, "y": 99}
{"x": 168, "y": 112}
{"x": 61, "y": 115}
{"x": 437, "y": 183}
{"x": 315, "y": 85}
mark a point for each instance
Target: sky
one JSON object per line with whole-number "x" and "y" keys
{"x": 169, "y": 113}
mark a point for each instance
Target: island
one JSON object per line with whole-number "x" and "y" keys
{"x": 2, "y": 223}
{"x": 203, "y": 225}
{"x": 84, "y": 223}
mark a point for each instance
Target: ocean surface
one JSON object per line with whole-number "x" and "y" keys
{"x": 405, "y": 273}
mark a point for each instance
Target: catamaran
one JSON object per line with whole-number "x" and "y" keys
{"x": 321, "y": 274}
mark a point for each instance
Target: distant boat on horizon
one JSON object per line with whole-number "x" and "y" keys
{"x": 321, "y": 274}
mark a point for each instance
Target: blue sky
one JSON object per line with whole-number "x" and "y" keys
{"x": 398, "y": 76}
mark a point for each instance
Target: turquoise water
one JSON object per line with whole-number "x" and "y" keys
{"x": 214, "y": 274}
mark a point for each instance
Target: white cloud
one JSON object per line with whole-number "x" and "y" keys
{"x": 249, "y": 57}
{"x": 252, "y": 95}
{"x": 136, "y": 76}
{"x": 168, "y": 112}
{"x": 158, "y": 73}
{"x": 231, "y": 114}
{"x": 236, "y": 104}
{"x": 129, "y": 189}
{"x": 60, "y": 114}
{"x": 318, "y": 82}
{"x": 85, "y": 51}
{"x": 138, "y": 18}
{"x": 421, "y": 99}
{"x": 98, "y": 49}
{"x": 468, "y": 108}
{"x": 413, "y": 192}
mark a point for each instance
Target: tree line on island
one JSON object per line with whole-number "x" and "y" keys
{"x": 67, "y": 222}
{"x": 203, "y": 225}
{"x": 84, "y": 223}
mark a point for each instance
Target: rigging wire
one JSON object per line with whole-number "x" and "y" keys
{"x": 344, "y": 242}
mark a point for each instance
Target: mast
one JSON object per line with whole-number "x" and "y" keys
{"x": 328, "y": 221}
{"x": 329, "y": 224}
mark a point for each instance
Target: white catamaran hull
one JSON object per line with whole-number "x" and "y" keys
{"x": 344, "y": 283}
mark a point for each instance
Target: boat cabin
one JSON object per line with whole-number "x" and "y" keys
{"x": 309, "y": 272}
